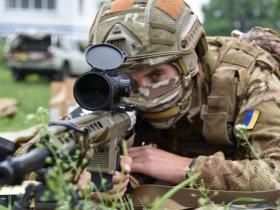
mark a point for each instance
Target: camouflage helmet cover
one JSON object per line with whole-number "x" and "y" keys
{"x": 149, "y": 31}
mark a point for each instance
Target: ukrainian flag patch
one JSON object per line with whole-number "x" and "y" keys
{"x": 251, "y": 117}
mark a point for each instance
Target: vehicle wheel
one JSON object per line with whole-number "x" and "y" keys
{"x": 62, "y": 74}
{"x": 18, "y": 75}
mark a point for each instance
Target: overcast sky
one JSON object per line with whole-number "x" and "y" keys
{"x": 196, "y": 6}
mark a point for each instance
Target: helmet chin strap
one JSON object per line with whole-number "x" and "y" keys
{"x": 163, "y": 115}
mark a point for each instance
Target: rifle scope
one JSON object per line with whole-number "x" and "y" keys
{"x": 102, "y": 87}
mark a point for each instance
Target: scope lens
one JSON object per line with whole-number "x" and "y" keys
{"x": 92, "y": 91}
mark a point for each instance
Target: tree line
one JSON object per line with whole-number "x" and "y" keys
{"x": 222, "y": 16}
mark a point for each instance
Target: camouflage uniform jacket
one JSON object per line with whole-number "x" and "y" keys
{"x": 241, "y": 86}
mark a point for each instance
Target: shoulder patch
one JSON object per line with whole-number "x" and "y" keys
{"x": 250, "y": 118}
{"x": 172, "y": 8}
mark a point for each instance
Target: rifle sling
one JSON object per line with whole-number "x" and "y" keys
{"x": 145, "y": 195}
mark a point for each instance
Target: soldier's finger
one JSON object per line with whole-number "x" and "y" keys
{"x": 84, "y": 179}
{"x": 144, "y": 155}
{"x": 119, "y": 187}
{"x": 119, "y": 177}
{"x": 134, "y": 149}
{"x": 122, "y": 193}
{"x": 134, "y": 155}
{"x": 109, "y": 197}
{"x": 140, "y": 152}
{"x": 116, "y": 177}
{"x": 101, "y": 196}
{"x": 126, "y": 163}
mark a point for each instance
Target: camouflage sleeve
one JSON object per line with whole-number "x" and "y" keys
{"x": 259, "y": 168}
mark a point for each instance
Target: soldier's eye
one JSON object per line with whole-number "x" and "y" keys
{"x": 156, "y": 76}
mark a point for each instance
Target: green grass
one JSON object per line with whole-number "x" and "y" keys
{"x": 1, "y": 50}
{"x": 31, "y": 94}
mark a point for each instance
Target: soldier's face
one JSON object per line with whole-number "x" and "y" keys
{"x": 154, "y": 74}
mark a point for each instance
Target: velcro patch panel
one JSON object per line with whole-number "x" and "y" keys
{"x": 121, "y": 5}
{"x": 172, "y": 8}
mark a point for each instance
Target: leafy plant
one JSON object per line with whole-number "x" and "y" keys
{"x": 241, "y": 132}
{"x": 40, "y": 117}
{"x": 240, "y": 200}
{"x": 65, "y": 168}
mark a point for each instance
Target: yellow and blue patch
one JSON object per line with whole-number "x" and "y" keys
{"x": 250, "y": 119}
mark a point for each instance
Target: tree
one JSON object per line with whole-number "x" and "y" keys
{"x": 222, "y": 16}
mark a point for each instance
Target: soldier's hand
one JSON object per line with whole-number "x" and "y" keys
{"x": 159, "y": 164}
{"x": 120, "y": 181}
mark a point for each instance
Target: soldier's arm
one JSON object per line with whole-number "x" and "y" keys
{"x": 259, "y": 167}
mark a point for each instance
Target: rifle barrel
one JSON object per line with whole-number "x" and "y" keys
{"x": 13, "y": 170}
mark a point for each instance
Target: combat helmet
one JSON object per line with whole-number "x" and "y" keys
{"x": 153, "y": 32}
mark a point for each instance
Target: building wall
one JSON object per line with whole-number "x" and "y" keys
{"x": 69, "y": 17}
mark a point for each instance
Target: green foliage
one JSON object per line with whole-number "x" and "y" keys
{"x": 2, "y": 41}
{"x": 241, "y": 132}
{"x": 276, "y": 5}
{"x": 40, "y": 117}
{"x": 5, "y": 208}
{"x": 242, "y": 200}
{"x": 60, "y": 178}
{"x": 222, "y": 16}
